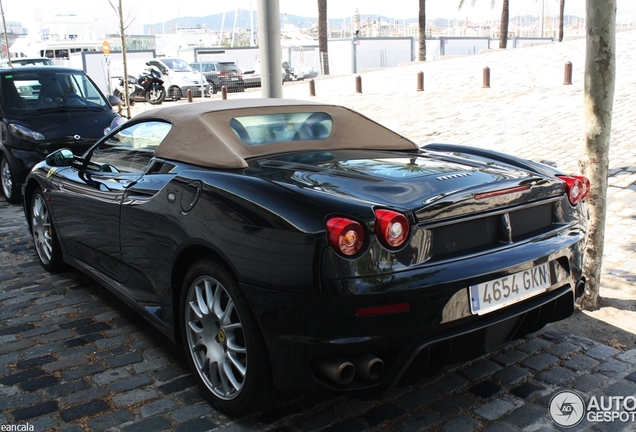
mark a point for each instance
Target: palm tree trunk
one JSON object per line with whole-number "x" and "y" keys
{"x": 323, "y": 37}
{"x": 598, "y": 101}
{"x": 503, "y": 34}
{"x": 422, "y": 31}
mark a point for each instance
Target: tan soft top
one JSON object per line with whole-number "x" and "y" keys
{"x": 201, "y": 133}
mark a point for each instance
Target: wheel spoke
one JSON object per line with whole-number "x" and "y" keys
{"x": 237, "y": 364}
{"x": 203, "y": 307}
{"x": 233, "y": 347}
{"x": 227, "y": 314}
{"x": 218, "y": 310}
{"x": 225, "y": 388}
{"x": 229, "y": 373}
{"x": 196, "y": 310}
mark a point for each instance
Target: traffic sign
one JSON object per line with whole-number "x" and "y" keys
{"x": 106, "y": 47}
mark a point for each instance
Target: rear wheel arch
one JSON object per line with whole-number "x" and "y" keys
{"x": 182, "y": 264}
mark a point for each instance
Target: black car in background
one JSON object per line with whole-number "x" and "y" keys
{"x": 303, "y": 247}
{"x": 43, "y": 109}
{"x": 221, "y": 73}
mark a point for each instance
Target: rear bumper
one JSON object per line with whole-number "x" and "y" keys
{"x": 302, "y": 331}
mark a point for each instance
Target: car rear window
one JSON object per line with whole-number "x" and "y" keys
{"x": 256, "y": 130}
{"x": 228, "y": 67}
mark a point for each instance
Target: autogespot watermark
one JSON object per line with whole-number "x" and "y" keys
{"x": 568, "y": 409}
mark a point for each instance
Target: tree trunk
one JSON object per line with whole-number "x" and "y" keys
{"x": 561, "y": 12}
{"x": 422, "y": 30}
{"x": 598, "y": 94}
{"x": 503, "y": 34}
{"x": 323, "y": 37}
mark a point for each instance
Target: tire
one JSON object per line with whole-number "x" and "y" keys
{"x": 222, "y": 341}
{"x": 43, "y": 232}
{"x": 175, "y": 93}
{"x": 214, "y": 88}
{"x": 10, "y": 187}
{"x": 155, "y": 96}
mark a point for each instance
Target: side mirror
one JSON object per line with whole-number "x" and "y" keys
{"x": 114, "y": 100}
{"x": 61, "y": 158}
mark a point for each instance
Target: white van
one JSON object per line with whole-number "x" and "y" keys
{"x": 179, "y": 77}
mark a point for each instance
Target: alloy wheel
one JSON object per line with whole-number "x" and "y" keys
{"x": 7, "y": 178}
{"x": 215, "y": 338}
{"x": 42, "y": 229}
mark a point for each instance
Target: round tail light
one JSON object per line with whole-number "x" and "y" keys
{"x": 577, "y": 188}
{"x": 392, "y": 228}
{"x": 346, "y": 236}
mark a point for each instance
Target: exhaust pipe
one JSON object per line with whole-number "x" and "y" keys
{"x": 368, "y": 366}
{"x": 580, "y": 288}
{"x": 336, "y": 369}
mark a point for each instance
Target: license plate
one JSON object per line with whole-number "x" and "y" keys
{"x": 498, "y": 293}
{"x": 234, "y": 79}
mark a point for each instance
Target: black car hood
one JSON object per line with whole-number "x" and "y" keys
{"x": 68, "y": 124}
{"x": 398, "y": 180}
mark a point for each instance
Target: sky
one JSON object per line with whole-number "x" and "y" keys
{"x": 138, "y": 13}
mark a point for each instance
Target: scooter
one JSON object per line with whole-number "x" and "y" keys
{"x": 147, "y": 87}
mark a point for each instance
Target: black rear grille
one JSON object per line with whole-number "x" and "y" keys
{"x": 490, "y": 231}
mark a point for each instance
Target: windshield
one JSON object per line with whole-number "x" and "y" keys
{"x": 177, "y": 65}
{"x": 30, "y": 92}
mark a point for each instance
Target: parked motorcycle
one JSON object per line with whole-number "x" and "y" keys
{"x": 147, "y": 87}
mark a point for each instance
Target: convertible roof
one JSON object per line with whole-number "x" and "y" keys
{"x": 201, "y": 133}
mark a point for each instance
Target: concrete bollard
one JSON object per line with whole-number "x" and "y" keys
{"x": 486, "y": 78}
{"x": 223, "y": 92}
{"x": 358, "y": 84}
{"x": 312, "y": 87}
{"x": 567, "y": 79}
{"x": 189, "y": 94}
{"x": 420, "y": 81}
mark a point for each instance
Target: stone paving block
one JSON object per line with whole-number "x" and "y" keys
{"x": 463, "y": 423}
{"x": 511, "y": 375}
{"x": 85, "y": 395}
{"x": 110, "y": 420}
{"x": 628, "y": 356}
{"x": 450, "y": 384}
{"x": 485, "y": 389}
{"x": 134, "y": 397}
{"x": 172, "y": 371}
{"x": 43, "y": 423}
{"x": 601, "y": 352}
{"x": 525, "y": 390}
{"x": 19, "y": 377}
{"x": 42, "y": 350}
{"x": 525, "y": 415}
{"x": 151, "y": 424}
{"x": 83, "y": 340}
{"x": 124, "y": 360}
{"x": 109, "y": 342}
{"x": 82, "y": 371}
{"x": 158, "y": 407}
{"x": 563, "y": 349}
{"x": 39, "y": 383}
{"x": 580, "y": 362}
{"x": 65, "y": 363}
{"x": 556, "y": 375}
{"x": 316, "y": 422}
{"x": 588, "y": 382}
{"x": 381, "y": 414}
{"x": 621, "y": 388}
{"x": 418, "y": 421}
{"x": 541, "y": 361}
{"x": 533, "y": 346}
{"x": 177, "y": 385}
{"x": 35, "y": 410}
{"x": 494, "y": 409}
{"x": 352, "y": 425}
{"x": 189, "y": 412}
{"x": 131, "y": 383}
{"x": 509, "y": 357}
{"x": 610, "y": 368}
{"x": 66, "y": 388}
{"x": 480, "y": 370}
{"x": 200, "y": 424}
{"x": 20, "y": 400}
{"x": 417, "y": 399}
{"x": 54, "y": 336}
{"x": 17, "y": 346}
{"x": 37, "y": 361}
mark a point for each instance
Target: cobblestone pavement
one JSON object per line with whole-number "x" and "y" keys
{"x": 73, "y": 357}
